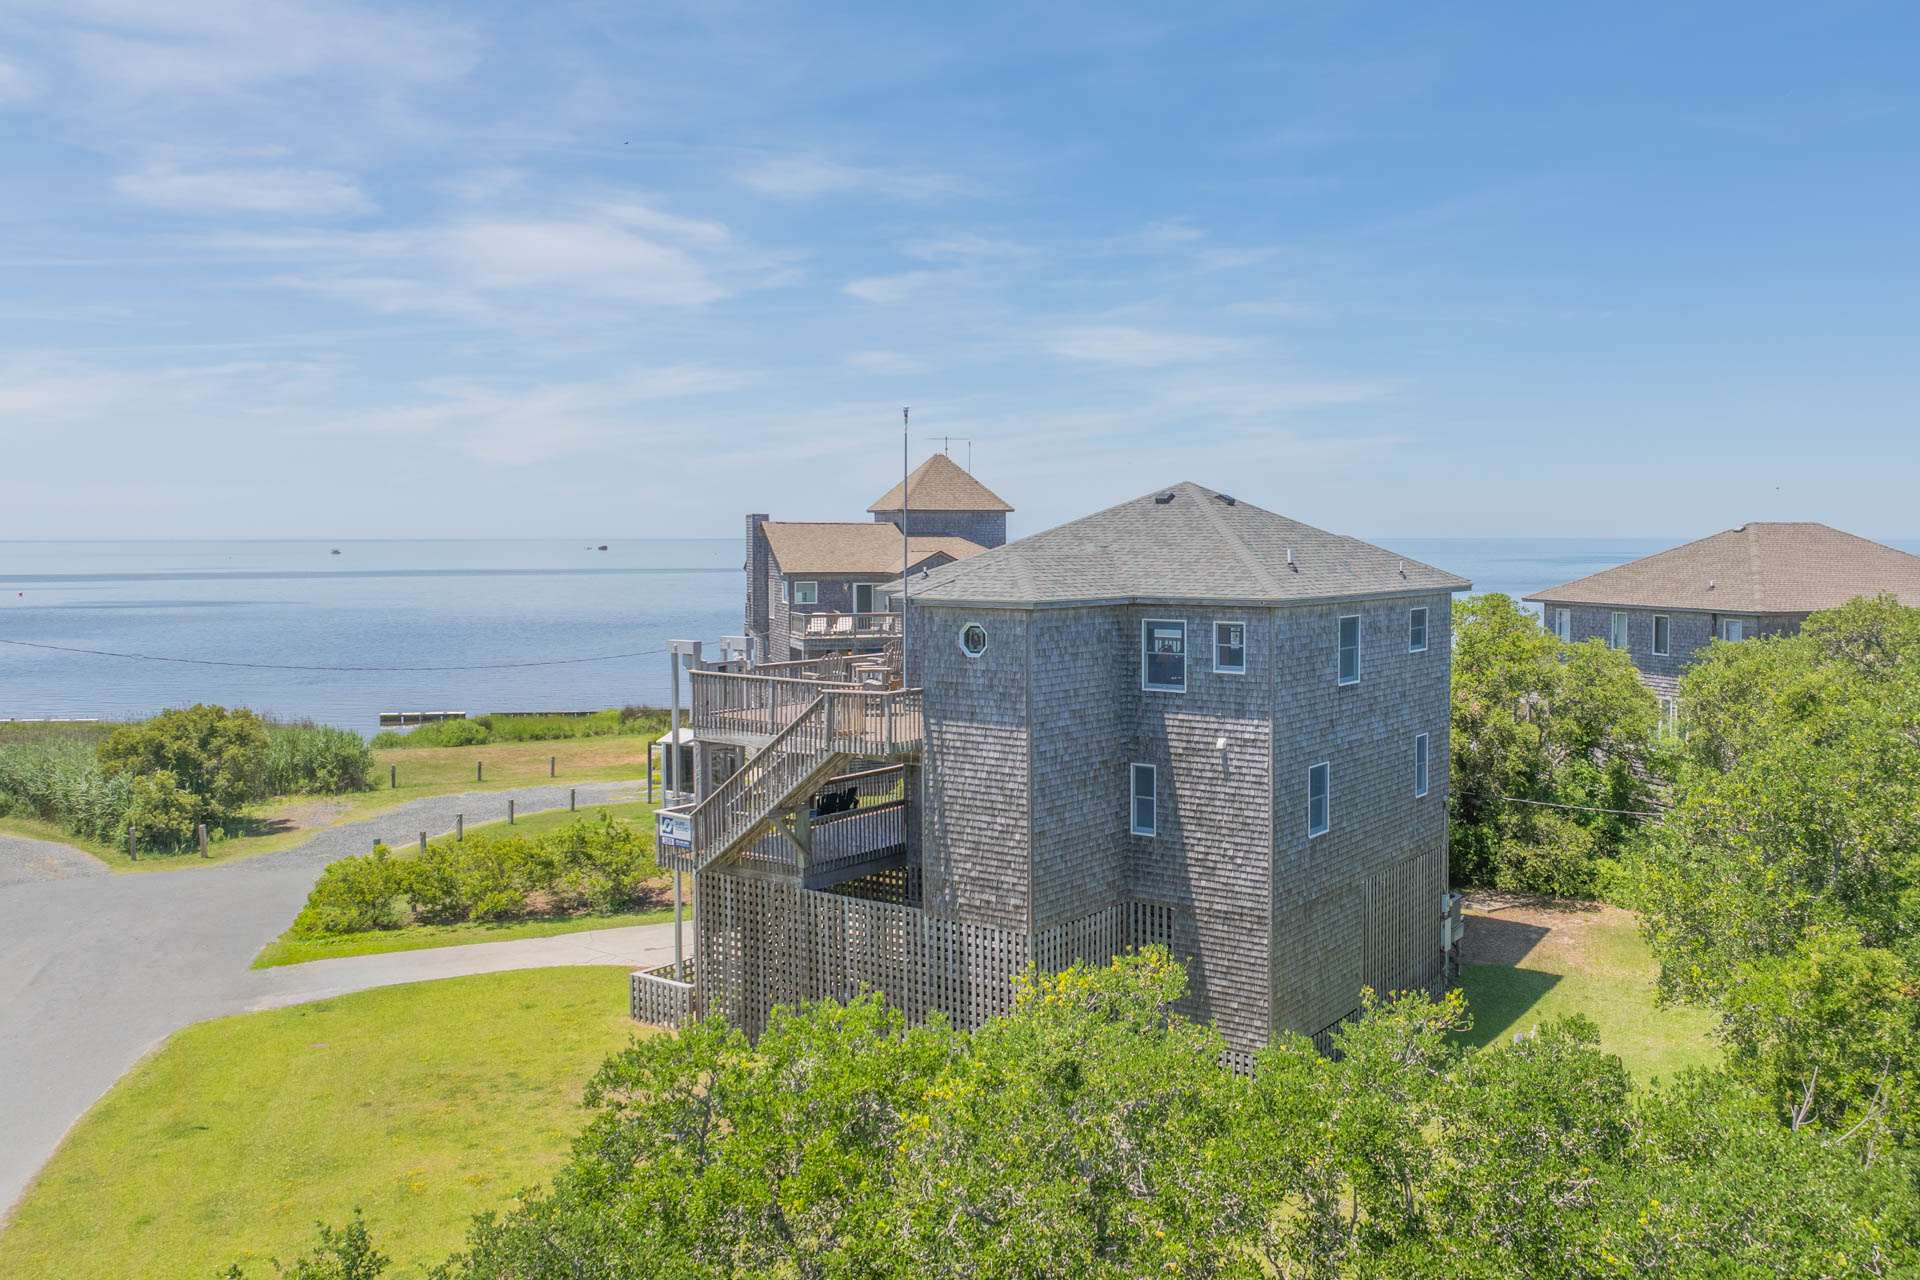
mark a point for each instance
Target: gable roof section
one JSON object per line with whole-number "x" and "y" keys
{"x": 1757, "y": 568}
{"x": 938, "y": 484}
{"x": 1197, "y": 546}
{"x": 836, "y": 548}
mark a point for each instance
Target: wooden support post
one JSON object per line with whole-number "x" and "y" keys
{"x": 201, "y": 831}
{"x": 679, "y": 963}
{"x": 509, "y": 813}
{"x": 133, "y": 846}
{"x": 550, "y": 760}
{"x": 459, "y": 826}
{"x": 573, "y": 794}
{"x": 649, "y": 773}
{"x": 423, "y": 844}
{"x": 393, "y": 776}
{"x": 479, "y": 770}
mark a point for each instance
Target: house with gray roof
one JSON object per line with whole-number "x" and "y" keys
{"x": 812, "y": 587}
{"x": 1761, "y": 579}
{"x": 1184, "y": 720}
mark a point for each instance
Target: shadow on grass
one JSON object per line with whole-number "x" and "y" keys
{"x": 1500, "y": 997}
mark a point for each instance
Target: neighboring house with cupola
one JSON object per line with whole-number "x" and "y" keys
{"x": 1761, "y": 579}
{"x": 1184, "y": 721}
{"x": 813, "y": 587}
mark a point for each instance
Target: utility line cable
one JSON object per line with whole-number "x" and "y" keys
{"x": 288, "y": 666}
{"x": 1587, "y": 808}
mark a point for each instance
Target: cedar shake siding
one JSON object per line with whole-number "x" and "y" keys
{"x": 985, "y": 528}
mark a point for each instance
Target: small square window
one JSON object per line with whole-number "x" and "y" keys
{"x": 1141, "y": 814}
{"x": 1230, "y": 647}
{"x": 1733, "y": 629}
{"x": 806, "y": 593}
{"x": 1419, "y": 764}
{"x": 1661, "y": 634}
{"x": 1319, "y": 799}
{"x": 1163, "y": 656}
{"x": 1350, "y": 649}
{"x": 1417, "y": 631}
{"x": 1617, "y": 632}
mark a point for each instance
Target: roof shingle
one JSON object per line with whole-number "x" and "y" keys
{"x": 1756, "y": 568}
{"x": 938, "y": 484}
{"x": 872, "y": 549}
{"x": 1183, "y": 544}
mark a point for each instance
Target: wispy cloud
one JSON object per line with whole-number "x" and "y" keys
{"x": 885, "y": 362}
{"x": 310, "y": 192}
{"x": 886, "y": 289}
{"x": 1267, "y": 309}
{"x": 801, "y": 177}
{"x": 1140, "y": 348}
{"x": 17, "y": 84}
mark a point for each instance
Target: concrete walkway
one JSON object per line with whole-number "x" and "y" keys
{"x": 97, "y": 968}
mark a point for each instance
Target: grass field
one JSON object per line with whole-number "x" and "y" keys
{"x": 1542, "y": 961}
{"x": 287, "y": 949}
{"x": 420, "y": 1104}
{"x": 421, "y": 772}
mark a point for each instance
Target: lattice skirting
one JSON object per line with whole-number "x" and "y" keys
{"x": 763, "y": 943}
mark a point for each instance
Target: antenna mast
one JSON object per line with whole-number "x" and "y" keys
{"x": 906, "y": 553}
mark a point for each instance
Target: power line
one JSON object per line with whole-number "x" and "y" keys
{"x": 288, "y": 666}
{"x": 1586, "y": 808}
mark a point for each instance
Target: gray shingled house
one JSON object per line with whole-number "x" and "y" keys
{"x": 812, "y": 587}
{"x": 1183, "y": 720}
{"x": 1756, "y": 580}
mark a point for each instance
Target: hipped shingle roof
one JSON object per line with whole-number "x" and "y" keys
{"x": 938, "y": 484}
{"x": 871, "y": 549}
{"x": 1183, "y": 544}
{"x": 1757, "y": 568}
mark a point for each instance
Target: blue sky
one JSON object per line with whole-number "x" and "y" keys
{"x": 290, "y": 268}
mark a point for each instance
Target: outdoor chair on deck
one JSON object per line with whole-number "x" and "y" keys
{"x": 816, "y": 624}
{"x": 843, "y": 625}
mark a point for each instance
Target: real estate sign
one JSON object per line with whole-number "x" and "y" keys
{"x": 673, "y": 830}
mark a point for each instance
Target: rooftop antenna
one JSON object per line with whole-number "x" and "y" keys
{"x": 946, "y": 447}
{"x": 906, "y": 553}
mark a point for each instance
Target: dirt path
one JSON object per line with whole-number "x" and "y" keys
{"x": 1509, "y": 928}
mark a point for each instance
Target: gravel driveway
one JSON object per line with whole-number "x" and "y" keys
{"x": 97, "y": 968}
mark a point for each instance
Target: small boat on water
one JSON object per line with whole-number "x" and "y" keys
{"x": 601, "y": 547}
{"x": 334, "y": 552}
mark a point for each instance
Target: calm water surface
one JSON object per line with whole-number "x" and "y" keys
{"x": 424, "y": 603}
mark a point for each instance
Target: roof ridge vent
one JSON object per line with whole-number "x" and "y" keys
{"x": 1225, "y": 497}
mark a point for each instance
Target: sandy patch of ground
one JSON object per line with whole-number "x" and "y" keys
{"x": 314, "y": 813}
{"x": 1510, "y": 928}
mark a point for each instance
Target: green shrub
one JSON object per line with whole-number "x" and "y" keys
{"x": 165, "y": 812}
{"x": 1547, "y": 854}
{"x": 216, "y": 754}
{"x": 480, "y": 730}
{"x": 311, "y": 759}
{"x": 353, "y": 895}
{"x": 60, "y": 781}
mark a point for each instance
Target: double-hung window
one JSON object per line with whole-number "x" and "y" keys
{"x": 1419, "y": 764}
{"x": 1319, "y": 799}
{"x": 1141, "y": 814}
{"x": 1662, "y": 634}
{"x": 1230, "y": 647}
{"x": 1417, "y": 631}
{"x": 806, "y": 593}
{"x": 1733, "y": 629}
{"x": 1163, "y": 655}
{"x": 1350, "y": 649}
{"x": 1617, "y": 631}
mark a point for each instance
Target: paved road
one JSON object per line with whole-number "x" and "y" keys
{"x": 97, "y": 968}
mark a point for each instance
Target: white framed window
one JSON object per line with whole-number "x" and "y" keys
{"x": 1319, "y": 799}
{"x": 1562, "y": 622}
{"x": 1163, "y": 655}
{"x": 806, "y": 593}
{"x": 863, "y": 597}
{"x": 1662, "y": 634}
{"x": 1419, "y": 764}
{"x": 1733, "y": 629}
{"x": 1141, "y": 813}
{"x": 1230, "y": 647}
{"x": 973, "y": 639}
{"x": 1417, "y": 630}
{"x": 1350, "y": 649}
{"x": 1617, "y": 630}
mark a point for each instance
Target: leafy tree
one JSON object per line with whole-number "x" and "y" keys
{"x": 343, "y": 1253}
{"x": 216, "y": 755}
{"x": 1784, "y": 887}
{"x": 1537, "y": 720}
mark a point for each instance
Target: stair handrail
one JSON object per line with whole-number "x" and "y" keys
{"x": 736, "y": 806}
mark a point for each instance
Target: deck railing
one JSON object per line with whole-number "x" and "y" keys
{"x": 849, "y": 627}
{"x": 755, "y": 704}
{"x": 659, "y": 999}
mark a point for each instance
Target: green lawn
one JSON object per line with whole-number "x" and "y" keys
{"x": 420, "y": 1104}
{"x": 287, "y": 949}
{"x": 1601, "y": 968}
{"x": 421, "y": 772}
